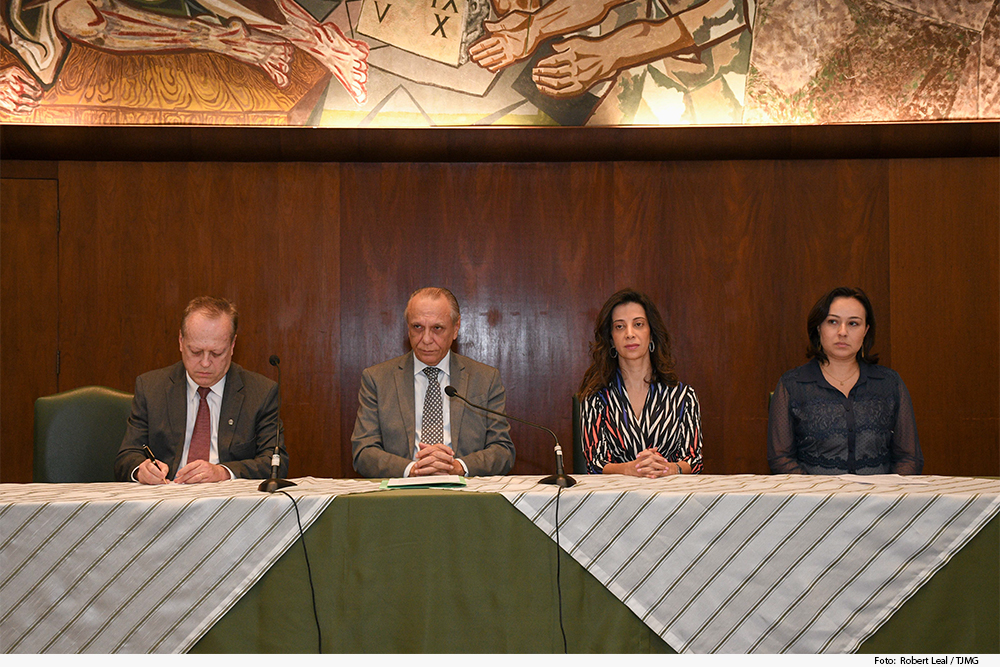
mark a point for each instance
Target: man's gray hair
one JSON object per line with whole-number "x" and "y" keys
{"x": 437, "y": 293}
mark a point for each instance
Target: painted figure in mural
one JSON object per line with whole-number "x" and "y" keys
{"x": 263, "y": 33}
{"x": 19, "y": 92}
{"x": 665, "y": 52}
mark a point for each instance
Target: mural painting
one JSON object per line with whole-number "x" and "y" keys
{"x": 399, "y": 63}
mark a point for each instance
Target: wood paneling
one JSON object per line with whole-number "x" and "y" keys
{"x": 735, "y": 254}
{"x": 945, "y": 233}
{"x": 524, "y": 249}
{"x": 499, "y": 144}
{"x": 29, "y": 315}
{"x": 140, "y": 240}
{"x": 321, "y": 258}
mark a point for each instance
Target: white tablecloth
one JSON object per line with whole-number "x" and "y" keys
{"x": 769, "y": 564}
{"x": 712, "y": 563}
{"x": 124, "y": 568}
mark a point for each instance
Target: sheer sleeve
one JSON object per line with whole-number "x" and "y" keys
{"x": 907, "y": 459}
{"x": 781, "y": 435}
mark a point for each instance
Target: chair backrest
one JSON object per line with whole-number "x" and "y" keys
{"x": 579, "y": 463}
{"x": 78, "y": 434}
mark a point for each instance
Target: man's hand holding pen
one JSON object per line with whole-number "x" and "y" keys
{"x": 152, "y": 471}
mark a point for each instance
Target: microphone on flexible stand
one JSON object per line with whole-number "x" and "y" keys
{"x": 273, "y": 483}
{"x": 560, "y": 478}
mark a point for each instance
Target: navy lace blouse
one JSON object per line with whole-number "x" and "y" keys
{"x": 815, "y": 429}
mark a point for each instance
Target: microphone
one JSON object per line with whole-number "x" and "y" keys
{"x": 272, "y": 484}
{"x": 560, "y": 478}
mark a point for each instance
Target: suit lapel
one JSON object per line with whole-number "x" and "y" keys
{"x": 177, "y": 412}
{"x": 232, "y": 403}
{"x": 460, "y": 381}
{"x": 404, "y": 397}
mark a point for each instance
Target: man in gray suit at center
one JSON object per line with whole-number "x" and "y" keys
{"x": 408, "y": 427}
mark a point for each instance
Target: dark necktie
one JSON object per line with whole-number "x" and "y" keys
{"x": 432, "y": 425}
{"x": 201, "y": 437}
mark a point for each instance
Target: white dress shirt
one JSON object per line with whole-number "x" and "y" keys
{"x": 419, "y": 392}
{"x": 214, "y": 399}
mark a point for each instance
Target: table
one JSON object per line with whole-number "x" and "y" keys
{"x": 119, "y": 567}
{"x": 491, "y": 568}
{"x": 491, "y": 571}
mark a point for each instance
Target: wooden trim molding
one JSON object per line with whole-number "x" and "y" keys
{"x": 499, "y": 144}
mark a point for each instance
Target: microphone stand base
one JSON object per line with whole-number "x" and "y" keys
{"x": 272, "y": 485}
{"x": 565, "y": 481}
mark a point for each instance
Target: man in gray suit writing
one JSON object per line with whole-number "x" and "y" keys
{"x": 408, "y": 427}
{"x": 205, "y": 419}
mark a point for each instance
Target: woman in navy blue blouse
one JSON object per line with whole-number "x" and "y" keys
{"x": 637, "y": 418}
{"x": 842, "y": 412}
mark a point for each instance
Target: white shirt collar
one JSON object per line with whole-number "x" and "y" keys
{"x": 218, "y": 388}
{"x": 444, "y": 365}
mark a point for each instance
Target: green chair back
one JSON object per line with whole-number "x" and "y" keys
{"x": 78, "y": 434}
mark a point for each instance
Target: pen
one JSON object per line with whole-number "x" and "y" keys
{"x": 149, "y": 455}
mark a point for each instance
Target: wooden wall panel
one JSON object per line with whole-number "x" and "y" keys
{"x": 194, "y": 143}
{"x": 945, "y": 233}
{"x": 735, "y": 254}
{"x": 321, "y": 258}
{"x": 140, "y": 240}
{"x": 523, "y": 247}
{"x": 29, "y": 315}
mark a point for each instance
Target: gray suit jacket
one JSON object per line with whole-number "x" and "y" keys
{"x": 385, "y": 430}
{"x": 248, "y": 423}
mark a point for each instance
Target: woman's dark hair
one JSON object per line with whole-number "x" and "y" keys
{"x": 822, "y": 309}
{"x": 603, "y": 367}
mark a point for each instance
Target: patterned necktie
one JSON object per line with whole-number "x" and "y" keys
{"x": 432, "y": 426}
{"x": 201, "y": 437}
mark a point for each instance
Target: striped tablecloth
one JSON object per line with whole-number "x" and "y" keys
{"x": 766, "y": 564}
{"x": 124, "y": 568}
{"x": 712, "y": 563}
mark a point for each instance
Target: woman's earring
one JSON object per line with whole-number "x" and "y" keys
{"x": 614, "y": 353}
{"x": 652, "y": 345}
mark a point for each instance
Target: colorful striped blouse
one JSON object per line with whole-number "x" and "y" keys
{"x": 670, "y": 423}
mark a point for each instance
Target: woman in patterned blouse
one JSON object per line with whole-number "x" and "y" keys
{"x": 637, "y": 418}
{"x": 842, "y": 412}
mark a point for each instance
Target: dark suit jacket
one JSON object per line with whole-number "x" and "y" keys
{"x": 385, "y": 430}
{"x": 247, "y": 426}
